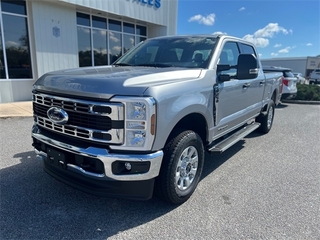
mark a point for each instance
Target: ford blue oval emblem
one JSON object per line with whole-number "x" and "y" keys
{"x": 57, "y": 115}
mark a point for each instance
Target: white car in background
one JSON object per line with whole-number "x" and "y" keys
{"x": 289, "y": 81}
{"x": 314, "y": 76}
{"x": 300, "y": 77}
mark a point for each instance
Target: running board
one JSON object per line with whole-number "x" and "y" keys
{"x": 234, "y": 138}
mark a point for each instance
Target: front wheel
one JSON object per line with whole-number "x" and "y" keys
{"x": 181, "y": 167}
{"x": 267, "y": 120}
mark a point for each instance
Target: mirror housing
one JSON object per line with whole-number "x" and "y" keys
{"x": 224, "y": 77}
{"x": 248, "y": 67}
{"x": 223, "y": 67}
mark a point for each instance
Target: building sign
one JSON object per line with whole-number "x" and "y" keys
{"x": 151, "y": 3}
{"x": 56, "y": 31}
{"x": 313, "y": 62}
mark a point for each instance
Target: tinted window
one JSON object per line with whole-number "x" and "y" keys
{"x": 141, "y": 30}
{"x": 17, "y": 46}
{"x": 115, "y": 45}
{"x": 2, "y": 68}
{"x": 99, "y": 22}
{"x": 128, "y": 42}
{"x": 114, "y": 25}
{"x": 288, "y": 74}
{"x": 83, "y": 19}
{"x": 140, "y": 39}
{"x": 229, "y": 55}
{"x": 100, "y": 47}
{"x": 18, "y": 7}
{"x": 247, "y": 49}
{"x": 128, "y": 28}
{"x": 84, "y": 47}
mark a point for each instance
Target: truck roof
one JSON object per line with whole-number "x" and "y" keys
{"x": 220, "y": 35}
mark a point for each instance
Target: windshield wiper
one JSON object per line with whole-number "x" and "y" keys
{"x": 122, "y": 64}
{"x": 160, "y": 65}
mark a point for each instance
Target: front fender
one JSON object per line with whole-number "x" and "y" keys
{"x": 171, "y": 111}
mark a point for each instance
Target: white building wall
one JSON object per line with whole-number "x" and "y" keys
{"x": 54, "y": 52}
{"x": 165, "y": 15}
{"x": 295, "y": 64}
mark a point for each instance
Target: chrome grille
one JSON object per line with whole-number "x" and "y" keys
{"x": 97, "y": 121}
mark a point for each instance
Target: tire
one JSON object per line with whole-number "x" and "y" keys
{"x": 181, "y": 167}
{"x": 267, "y": 120}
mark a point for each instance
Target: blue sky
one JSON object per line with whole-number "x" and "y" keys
{"x": 282, "y": 28}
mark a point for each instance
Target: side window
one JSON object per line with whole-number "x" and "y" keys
{"x": 229, "y": 55}
{"x": 247, "y": 49}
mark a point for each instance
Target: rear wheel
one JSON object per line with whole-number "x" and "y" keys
{"x": 267, "y": 120}
{"x": 181, "y": 167}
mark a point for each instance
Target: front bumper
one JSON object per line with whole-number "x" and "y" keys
{"x": 112, "y": 179}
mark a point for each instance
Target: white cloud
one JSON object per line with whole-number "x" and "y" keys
{"x": 274, "y": 54}
{"x": 258, "y": 42}
{"x": 103, "y": 51}
{"x": 219, "y": 32}
{"x": 206, "y": 20}
{"x": 242, "y": 9}
{"x": 270, "y": 30}
{"x": 260, "y": 55}
{"x": 132, "y": 41}
{"x": 12, "y": 44}
{"x": 277, "y": 45}
{"x": 286, "y": 49}
{"x": 260, "y": 37}
{"x": 114, "y": 38}
{"x": 309, "y": 44}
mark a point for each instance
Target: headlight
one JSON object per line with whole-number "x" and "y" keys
{"x": 136, "y": 110}
{"x": 139, "y": 123}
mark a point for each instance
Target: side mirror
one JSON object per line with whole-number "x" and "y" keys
{"x": 223, "y": 67}
{"x": 247, "y": 67}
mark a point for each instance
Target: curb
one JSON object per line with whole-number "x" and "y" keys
{"x": 301, "y": 102}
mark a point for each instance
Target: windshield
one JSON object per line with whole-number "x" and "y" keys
{"x": 188, "y": 52}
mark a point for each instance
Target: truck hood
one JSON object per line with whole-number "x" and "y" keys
{"x": 106, "y": 81}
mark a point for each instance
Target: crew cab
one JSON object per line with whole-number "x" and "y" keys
{"x": 142, "y": 125}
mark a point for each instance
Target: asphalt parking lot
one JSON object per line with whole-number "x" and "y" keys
{"x": 264, "y": 187}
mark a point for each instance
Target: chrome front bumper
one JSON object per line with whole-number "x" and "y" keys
{"x": 105, "y": 157}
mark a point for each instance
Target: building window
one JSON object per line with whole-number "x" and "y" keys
{"x": 15, "y": 59}
{"x": 101, "y": 41}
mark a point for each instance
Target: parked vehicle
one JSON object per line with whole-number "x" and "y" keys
{"x": 289, "y": 81}
{"x": 142, "y": 125}
{"x": 315, "y": 76}
{"x": 300, "y": 77}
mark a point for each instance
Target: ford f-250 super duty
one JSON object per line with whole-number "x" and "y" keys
{"x": 141, "y": 125}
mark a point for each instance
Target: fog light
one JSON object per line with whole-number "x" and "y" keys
{"x": 128, "y": 166}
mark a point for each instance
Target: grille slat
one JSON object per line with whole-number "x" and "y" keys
{"x": 83, "y": 121}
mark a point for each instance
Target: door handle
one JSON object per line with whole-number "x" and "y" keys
{"x": 262, "y": 82}
{"x": 246, "y": 85}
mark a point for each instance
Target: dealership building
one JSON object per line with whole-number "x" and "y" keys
{"x": 304, "y": 65}
{"x": 42, "y": 36}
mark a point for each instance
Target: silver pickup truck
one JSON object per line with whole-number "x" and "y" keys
{"x": 142, "y": 125}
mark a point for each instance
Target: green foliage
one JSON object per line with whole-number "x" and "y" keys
{"x": 308, "y": 92}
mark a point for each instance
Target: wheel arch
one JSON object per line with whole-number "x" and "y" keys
{"x": 195, "y": 122}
